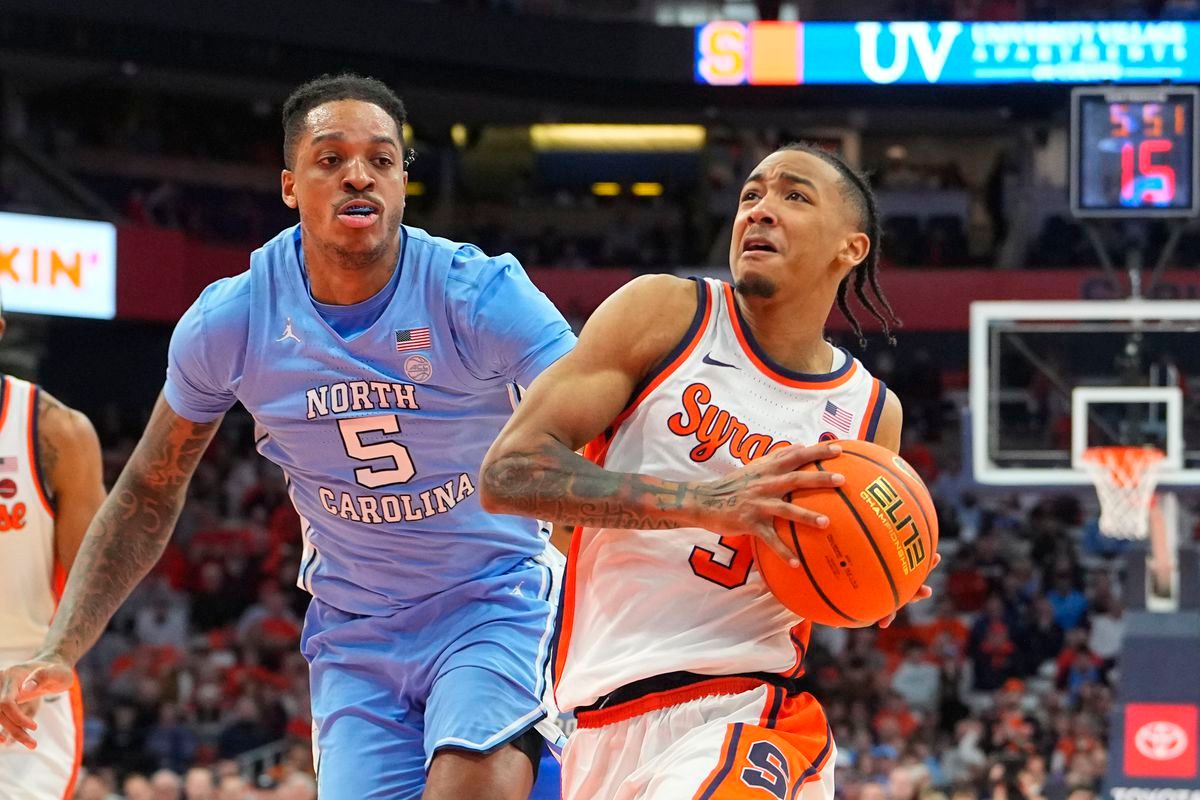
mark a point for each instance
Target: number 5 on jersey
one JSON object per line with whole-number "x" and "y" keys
{"x": 401, "y": 469}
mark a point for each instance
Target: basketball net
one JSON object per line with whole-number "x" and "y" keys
{"x": 1125, "y": 479}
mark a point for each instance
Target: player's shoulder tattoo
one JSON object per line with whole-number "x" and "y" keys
{"x": 55, "y": 423}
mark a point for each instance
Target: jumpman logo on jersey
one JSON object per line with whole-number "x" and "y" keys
{"x": 287, "y": 332}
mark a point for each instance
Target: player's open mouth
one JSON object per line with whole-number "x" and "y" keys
{"x": 358, "y": 214}
{"x": 757, "y": 244}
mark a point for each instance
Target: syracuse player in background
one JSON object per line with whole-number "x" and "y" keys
{"x": 378, "y": 362}
{"x": 51, "y": 483}
{"x": 675, "y": 658}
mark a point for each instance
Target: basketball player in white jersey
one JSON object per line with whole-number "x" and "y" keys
{"x": 697, "y": 402}
{"x": 51, "y": 484}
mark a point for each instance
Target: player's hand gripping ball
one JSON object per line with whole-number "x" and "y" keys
{"x": 877, "y": 550}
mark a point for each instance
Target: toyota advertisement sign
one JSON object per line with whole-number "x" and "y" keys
{"x": 1156, "y": 754}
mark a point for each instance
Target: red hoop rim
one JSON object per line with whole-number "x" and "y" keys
{"x": 1133, "y": 456}
{"x": 1120, "y": 471}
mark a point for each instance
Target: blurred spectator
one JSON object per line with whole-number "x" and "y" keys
{"x": 965, "y": 585}
{"x": 917, "y": 679}
{"x": 234, "y": 787}
{"x": 95, "y": 787}
{"x": 137, "y": 787}
{"x": 1107, "y": 628}
{"x": 244, "y": 731}
{"x": 1069, "y": 603}
{"x": 122, "y": 747}
{"x": 297, "y": 787}
{"x": 166, "y": 785}
{"x": 873, "y": 791}
{"x": 198, "y": 784}
{"x": 1042, "y": 638}
{"x": 171, "y": 741}
{"x": 992, "y": 649}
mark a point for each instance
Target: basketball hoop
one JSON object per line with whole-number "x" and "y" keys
{"x": 1125, "y": 479}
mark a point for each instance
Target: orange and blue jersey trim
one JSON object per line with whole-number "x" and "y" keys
{"x": 818, "y": 764}
{"x": 5, "y": 393}
{"x": 597, "y": 449}
{"x": 566, "y": 613}
{"x": 777, "y": 372}
{"x": 800, "y": 634}
{"x": 730, "y": 749}
{"x": 35, "y": 467}
{"x": 873, "y": 412}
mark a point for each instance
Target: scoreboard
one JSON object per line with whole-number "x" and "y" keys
{"x": 1133, "y": 151}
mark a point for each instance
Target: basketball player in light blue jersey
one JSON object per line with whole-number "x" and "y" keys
{"x": 379, "y": 363}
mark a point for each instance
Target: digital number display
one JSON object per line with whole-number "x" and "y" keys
{"x": 1134, "y": 152}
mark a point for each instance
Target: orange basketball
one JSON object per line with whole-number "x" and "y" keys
{"x": 876, "y": 552}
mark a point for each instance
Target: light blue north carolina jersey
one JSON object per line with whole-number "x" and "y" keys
{"x": 380, "y": 436}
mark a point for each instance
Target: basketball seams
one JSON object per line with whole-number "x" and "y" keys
{"x": 905, "y": 480}
{"x": 812, "y": 580}
{"x": 865, "y": 531}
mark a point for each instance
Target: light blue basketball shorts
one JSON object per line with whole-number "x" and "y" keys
{"x": 465, "y": 669}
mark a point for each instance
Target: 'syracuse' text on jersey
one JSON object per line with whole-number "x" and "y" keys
{"x": 645, "y": 603}
{"x": 380, "y": 435}
{"x": 31, "y": 577}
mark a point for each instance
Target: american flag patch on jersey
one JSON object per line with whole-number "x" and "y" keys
{"x": 413, "y": 339}
{"x": 8, "y": 464}
{"x": 837, "y": 416}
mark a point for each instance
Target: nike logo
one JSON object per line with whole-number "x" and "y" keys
{"x": 708, "y": 359}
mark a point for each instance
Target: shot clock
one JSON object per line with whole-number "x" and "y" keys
{"x": 1133, "y": 151}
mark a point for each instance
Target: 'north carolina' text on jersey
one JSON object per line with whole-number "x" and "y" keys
{"x": 380, "y": 435}
{"x": 645, "y": 603}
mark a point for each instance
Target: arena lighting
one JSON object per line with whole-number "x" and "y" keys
{"x": 647, "y": 189}
{"x": 609, "y": 138}
{"x": 458, "y": 135}
{"x": 606, "y": 189}
{"x": 770, "y": 53}
{"x": 407, "y": 133}
{"x": 415, "y": 189}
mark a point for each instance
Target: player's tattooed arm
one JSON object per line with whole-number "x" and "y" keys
{"x": 69, "y": 461}
{"x": 555, "y": 483}
{"x": 50, "y": 411}
{"x": 129, "y": 531}
{"x": 549, "y": 481}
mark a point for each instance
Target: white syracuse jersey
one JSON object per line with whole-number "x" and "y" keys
{"x": 31, "y": 581}
{"x": 638, "y": 604}
{"x": 29, "y": 570}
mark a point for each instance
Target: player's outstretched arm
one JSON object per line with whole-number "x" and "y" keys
{"x": 123, "y": 541}
{"x": 533, "y": 470}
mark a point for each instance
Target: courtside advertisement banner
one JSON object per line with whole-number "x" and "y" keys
{"x": 771, "y": 53}
{"x": 64, "y": 267}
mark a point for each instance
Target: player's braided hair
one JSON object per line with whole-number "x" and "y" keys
{"x": 327, "y": 89}
{"x": 857, "y": 192}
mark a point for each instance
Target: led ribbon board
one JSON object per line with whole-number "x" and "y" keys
{"x": 936, "y": 53}
{"x": 65, "y": 267}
